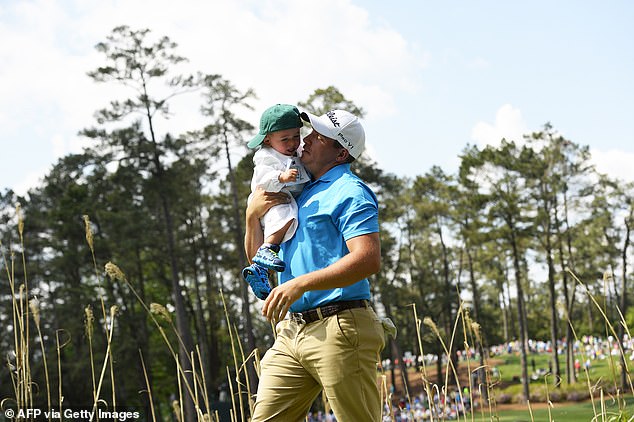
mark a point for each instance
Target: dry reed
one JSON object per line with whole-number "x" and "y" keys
{"x": 27, "y": 309}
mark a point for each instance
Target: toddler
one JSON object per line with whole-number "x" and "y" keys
{"x": 277, "y": 168}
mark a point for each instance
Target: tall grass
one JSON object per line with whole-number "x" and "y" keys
{"x": 19, "y": 358}
{"x": 484, "y": 396}
{"x": 604, "y": 394}
{"x": 26, "y": 309}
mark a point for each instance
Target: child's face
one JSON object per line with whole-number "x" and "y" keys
{"x": 284, "y": 141}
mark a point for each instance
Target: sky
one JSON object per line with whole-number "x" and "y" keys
{"x": 433, "y": 77}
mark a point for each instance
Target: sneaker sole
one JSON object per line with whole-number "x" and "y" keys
{"x": 260, "y": 293}
{"x": 268, "y": 265}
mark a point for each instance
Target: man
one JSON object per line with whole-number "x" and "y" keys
{"x": 333, "y": 338}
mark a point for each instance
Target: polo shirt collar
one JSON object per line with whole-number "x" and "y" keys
{"x": 334, "y": 173}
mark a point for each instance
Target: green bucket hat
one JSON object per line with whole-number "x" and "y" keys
{"x": 278, "y": 117}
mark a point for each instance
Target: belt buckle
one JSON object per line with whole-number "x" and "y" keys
{"x": 297, "y": 318}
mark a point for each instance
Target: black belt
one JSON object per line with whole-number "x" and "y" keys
{"x": 328, "y": 310}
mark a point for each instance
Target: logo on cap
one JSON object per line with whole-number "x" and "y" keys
{"x": 346, "y": 143}
{"x": 333, "y": 118}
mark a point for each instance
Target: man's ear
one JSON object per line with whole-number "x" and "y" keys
{"x": 343, "y": 155}
{"x": 266, "y": 140}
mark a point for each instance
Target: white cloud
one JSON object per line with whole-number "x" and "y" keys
{"x": 615, "y": 163}
{"x": 282, "y": 48}
{"x": 67, "y": 145}
{"x": 59, "y": 146}
{"x": 30, "y": 180}
{"x": 509, "y": 124}
{"x": 383, "y": 102}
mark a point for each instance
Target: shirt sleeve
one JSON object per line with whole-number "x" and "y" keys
{"x": 266, "y": 172}
{"x": 358, "y": 213}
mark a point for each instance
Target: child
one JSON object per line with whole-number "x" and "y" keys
{"x": 277, "y": 168}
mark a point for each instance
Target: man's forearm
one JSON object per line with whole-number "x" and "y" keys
{"x": 363, "y": 261}
{"x": 253, "y": 236}
{"x": 260, "y": 203}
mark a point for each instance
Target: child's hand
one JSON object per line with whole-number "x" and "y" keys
{"x": 288, "y": 176}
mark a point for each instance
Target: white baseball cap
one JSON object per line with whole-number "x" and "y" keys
{"x": 340, "y": 125}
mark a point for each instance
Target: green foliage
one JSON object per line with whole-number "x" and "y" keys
{"x": 629, "y": 317}
{"x": 324, "y": 100}
{"x": 503, "y": 236}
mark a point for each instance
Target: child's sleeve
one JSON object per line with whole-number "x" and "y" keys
{"x": 266, "y": 173}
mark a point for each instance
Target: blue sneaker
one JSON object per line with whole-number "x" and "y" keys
{"x": 267, "y": 257}
{"x": 258, "y": 279}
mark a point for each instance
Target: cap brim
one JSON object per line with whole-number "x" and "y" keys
{"x": 256, "y": 141}
{"x": 306, "y": 116}
{"x": 316, "y": 122}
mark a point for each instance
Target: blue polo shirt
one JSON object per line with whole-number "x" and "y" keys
{"x": 331, "y": 210}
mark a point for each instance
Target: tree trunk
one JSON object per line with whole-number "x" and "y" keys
{"x": 182, "y": 322}
{"x": 203, "y": 341}
{"x": 505, "y": 318}
{"x": 481, "y": 373}
{"x": 554, "y": 337}
{"x": 143, "y": 339}
{"x": 520, "y": 315}
{"x": 512, "y": 330}
{"x": 439, "y": 378}
{"x": 623, "y": 305}
{"x": 239, "y": 240}
{"x": 396, "y": 350}
{"x": 393, "y": 352}
{"x": 571, "y": 377}
{"x": 448, "y": 315}
{"x": 212, "y": 319}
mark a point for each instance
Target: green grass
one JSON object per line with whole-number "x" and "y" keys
{"x": 599, "y": 369}
{"x": 604, "y": 374}
{"x": 562, "y": 412}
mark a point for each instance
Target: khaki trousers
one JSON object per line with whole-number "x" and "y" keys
{"x": 338, "y": 354}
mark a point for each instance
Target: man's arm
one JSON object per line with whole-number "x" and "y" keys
{"x": 363, "y": 260}
{"x": 261, "y": 202}
{"x": 253, "y": 236}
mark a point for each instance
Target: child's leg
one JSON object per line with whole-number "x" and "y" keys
{"x": 277, "y": 237}
{"x": 267, "y": 255}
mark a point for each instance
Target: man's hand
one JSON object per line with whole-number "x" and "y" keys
{"x": 260, "y": 203}
{"x": 288, "y": 176}
{"x": 280, "y": 300}
{"x": 363, "y": 260}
